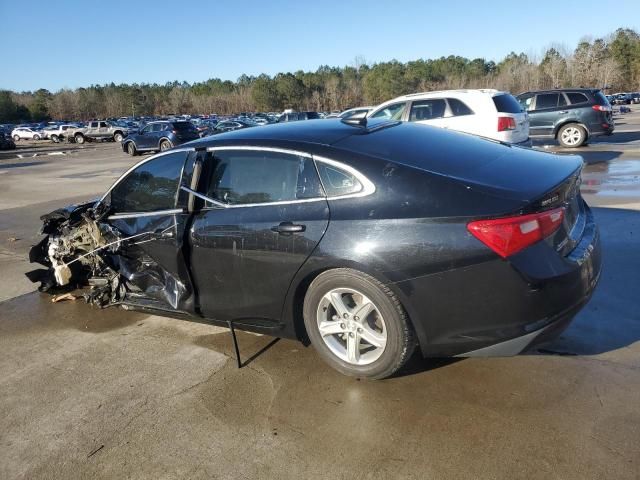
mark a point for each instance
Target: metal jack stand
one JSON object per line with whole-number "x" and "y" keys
{"x": 235, "y": 342}
{"x": 255, "y": 355}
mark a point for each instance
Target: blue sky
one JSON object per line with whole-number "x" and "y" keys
{"x": 68, "y": 43}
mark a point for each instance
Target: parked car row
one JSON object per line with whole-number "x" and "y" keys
{"x": 571, "y": 116}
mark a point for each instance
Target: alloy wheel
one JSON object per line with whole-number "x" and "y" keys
{"x": 351, "y": 326}
{"x": 571, "y": 136}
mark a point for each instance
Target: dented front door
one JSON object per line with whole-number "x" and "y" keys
{"x": 147, "y": 210}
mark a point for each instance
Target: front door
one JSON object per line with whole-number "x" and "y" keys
{"x": 146, "y": 209}
{"x": 265, "y": 214}
{"x": 548, "y": 109}
{"x": 146, "y": 139}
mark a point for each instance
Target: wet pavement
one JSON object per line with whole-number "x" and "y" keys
{"x": 87, "y": 393}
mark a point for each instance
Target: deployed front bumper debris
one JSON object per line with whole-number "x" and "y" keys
{"x": 78, "y": 251}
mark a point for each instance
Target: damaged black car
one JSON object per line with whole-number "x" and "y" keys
{"x": 366, "y": 239}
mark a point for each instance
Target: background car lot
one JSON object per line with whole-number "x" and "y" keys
{"x": 100, "y": 393}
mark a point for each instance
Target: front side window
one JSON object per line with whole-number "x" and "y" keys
{"x": 391, "y": 112}
{"x": 150, "y": 187}
{"x": 245, "y": 177}
{"x": 427, "y": 109}
{"x": 147, "y": 129}
{"x": 337, "y": 181}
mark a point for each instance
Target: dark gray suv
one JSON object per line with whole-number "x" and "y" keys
{"x": 160, "y": 136}
{"x": 571, "y": 115}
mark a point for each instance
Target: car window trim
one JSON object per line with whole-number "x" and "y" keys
{"x": 171, "y": 211}
{"x": 368, "y": 186}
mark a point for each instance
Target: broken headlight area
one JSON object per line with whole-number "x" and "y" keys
{"x": 79, "y": 251}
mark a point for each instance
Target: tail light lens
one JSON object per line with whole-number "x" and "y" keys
{"x": 507, "y": 236}
{"x": 506, "y": 123}
{"x": 601, "y": 108}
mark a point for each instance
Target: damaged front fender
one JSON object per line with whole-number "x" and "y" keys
{"x": 80, "y": 249}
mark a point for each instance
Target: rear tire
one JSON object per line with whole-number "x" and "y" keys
{"x": 118, "y": 137}
{"x": 79, "y": 138}
{"x": 374, "y": 346}
{"x": 165, "y": 145}
{"x": 36, "y": 137}
{"x": 572, "y": 135}
{"x": 55, "y": 139}
{"x": 131, "y": 149}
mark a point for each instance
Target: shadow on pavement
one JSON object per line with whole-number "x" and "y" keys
{"x": 611, "y": 320}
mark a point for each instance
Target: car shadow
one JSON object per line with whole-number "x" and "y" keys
{"x": 617, "y": 137}
{"x": 611, "y": 320}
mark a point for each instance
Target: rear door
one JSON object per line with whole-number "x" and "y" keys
{"x": 146, "y": 207}
{"x": 430, "y": 112}
{"x": 264, "y": 213}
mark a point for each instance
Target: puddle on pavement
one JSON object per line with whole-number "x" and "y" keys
{"x": 619, "y": 178}
{"x": 35, "y": 310}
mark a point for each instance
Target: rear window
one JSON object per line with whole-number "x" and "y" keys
{"x": 576, "y": 97}
{"x": 507, "y": 104}
{"x": 312, "y": 115}
{"x": 183, "y": 126}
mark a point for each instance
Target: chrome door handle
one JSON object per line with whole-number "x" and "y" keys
{"x": 287, "y": 228}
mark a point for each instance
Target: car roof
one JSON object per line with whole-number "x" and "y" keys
{"x": 553, "y": 90}
{"x": 321, "y": 132}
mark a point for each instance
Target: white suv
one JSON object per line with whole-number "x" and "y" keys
{"x": 26, "y": 133}
{"x": 488, "y": 113}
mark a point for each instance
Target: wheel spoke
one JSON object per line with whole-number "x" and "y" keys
{"x": 363, "y": 311}
{"x": 338, "y": 303}
{"x": 330, "y": 328}
{"x": 372, "y": 337}
{"x": 353, "y": 348}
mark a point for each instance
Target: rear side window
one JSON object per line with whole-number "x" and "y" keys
{"x": 244, "y": 177}
{"x": 427, "y": 109}
{"x": 458, "y": 107}
{"x": 150, "y": 187}
{"x": 507, "y": 103}
{"x": 337, "y": 181}
{"x": 312, "y": 115}
{"x": 576, "y": 97}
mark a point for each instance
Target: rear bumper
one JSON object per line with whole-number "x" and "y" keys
{"x": 526, "y": 143}
{"x": 502, "y": 307}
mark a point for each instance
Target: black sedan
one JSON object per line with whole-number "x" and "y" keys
{"x": 366, "y": 239}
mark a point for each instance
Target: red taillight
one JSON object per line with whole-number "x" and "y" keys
{"x": 507, "y": 236}
{"x": 506, "y": 123}
{"x": 601, "y": 108}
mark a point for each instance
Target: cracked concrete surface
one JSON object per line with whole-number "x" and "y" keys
{"x": 87, "y": 393}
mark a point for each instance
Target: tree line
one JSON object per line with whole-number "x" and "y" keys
{"x": 611, "y": 63}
